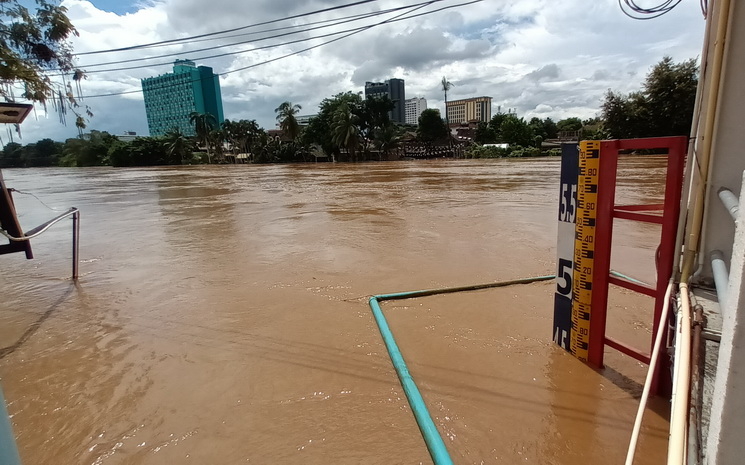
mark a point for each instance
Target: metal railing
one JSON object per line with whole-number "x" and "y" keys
{"x": 39, "y": 230}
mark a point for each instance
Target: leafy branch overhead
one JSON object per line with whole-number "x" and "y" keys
{"x": 34, "y": 47}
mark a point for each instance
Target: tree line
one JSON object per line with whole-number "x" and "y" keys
{"x": 346, "y": 127}
{"x": 349, "y": 127}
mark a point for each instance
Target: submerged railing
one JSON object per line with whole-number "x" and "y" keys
{"x": 42, "y": 228}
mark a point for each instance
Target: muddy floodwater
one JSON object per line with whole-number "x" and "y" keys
{"x": 221, "y": 317}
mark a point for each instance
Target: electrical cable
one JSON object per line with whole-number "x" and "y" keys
{"x": 340, "y": 21}
{"x": 399, "y": 17}
{"x": 634, "y": 11}
{"x": 283, "y": 28}
{"x": 225, "y": 31}
{"x": 34, "y": 196}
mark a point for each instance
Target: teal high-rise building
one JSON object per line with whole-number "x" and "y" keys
{"x": 170, "y": 98}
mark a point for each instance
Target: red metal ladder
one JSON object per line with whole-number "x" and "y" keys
{"x": 607, "y": 212}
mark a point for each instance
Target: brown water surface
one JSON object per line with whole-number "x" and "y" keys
{"x": 222, "y": 317}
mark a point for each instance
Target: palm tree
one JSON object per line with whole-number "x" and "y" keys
{"x": 177, "y": 145}
{"x": 446, "y": 85}
{"x": 387, "y": 139}
{"x": 287, "y": 122}
{"x": 203, "y": 124}
{"x": 215, "y": 138}
{"x": 345, "y": 130}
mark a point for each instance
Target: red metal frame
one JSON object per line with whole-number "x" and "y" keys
{"x": 606, "y": 212}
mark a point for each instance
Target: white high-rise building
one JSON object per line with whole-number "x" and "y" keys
{"x": 414, "y": 107}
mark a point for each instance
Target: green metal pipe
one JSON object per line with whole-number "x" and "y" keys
{"x": 431, "y": 435}
{"x": 449, "y": 290}
{"x": 432, "y": 438}
{"x": 8, "y": 450}
{"x": 627, "y": 278}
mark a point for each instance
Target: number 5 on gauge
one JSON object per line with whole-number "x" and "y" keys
{"x": 564, "y": 278}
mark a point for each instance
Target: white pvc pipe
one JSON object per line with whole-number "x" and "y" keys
{"x": 696, "y": 208}
{"x": 676, "y": 448}
{"x": 692, "y": 155}
{"x": 650, "y": 374}
{"x": 721, "y": 276}
{"x": 730, "y": 202}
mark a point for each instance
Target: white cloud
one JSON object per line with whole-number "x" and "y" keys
{"x": 542, "y": 57}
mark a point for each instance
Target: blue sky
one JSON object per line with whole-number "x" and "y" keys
{"x": 116, "y": 6}
{"x": 543, "y": 58}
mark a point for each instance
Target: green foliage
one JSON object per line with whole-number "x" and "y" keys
{"x": 546, "y": 129}
{"x": 346, "y": 130}
{"x": 485, "y": 134}
{"x": 431, "y": 126}
{"x": 550, "y": 128}
{"x": 515, "y": 131}
{"x": 569, "y": 124}
{"x": 32, "y": 43}
{"x": 148, "y": 151}
{"x": 495, "y": 124}
{"x": 45, "y": 152}
{"x": 670, "y": 90}
{"x": 273, "y": 150}
{"x": 242, "y": 135}
{"x": 101, "y": 148}
{"x": 373, "y": 114}
{"x": 513, "y": 151}
{"x": 320, "y": 129}
{"x": 215, "y": 139}
{"x": 204, "y": 123}
{"x": 12, "y": 156}
{"x": 446, "y": 86}
{"x": 349, "y": 122}
{"x": 386, "y": 139}
{"x": 553, "y": 152}
{"x": 91, "y": 151}
{"x": 286, "y": 116}
{"x": 318, "y": 132}
{"x": 480, "y": 151}
{"x": 520, "y": 152}
{"x": 178, "y": 147}
{"x": 664, "y": 107}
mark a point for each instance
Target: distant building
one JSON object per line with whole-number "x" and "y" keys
{"x": 414, "y": 107}
{"x": 128, "y": 136}
{"x": 394, "y": 89}
{"x": 304, "y": 120}
{"x": 467, "y": 110}
{"x": 170, "y": 98}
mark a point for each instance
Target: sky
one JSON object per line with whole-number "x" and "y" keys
{"x": 542, "y": 58}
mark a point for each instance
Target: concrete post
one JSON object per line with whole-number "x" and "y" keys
{"x": 725, "y": 439}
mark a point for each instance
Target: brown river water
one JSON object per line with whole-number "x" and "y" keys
{"x": 221, "y": 317}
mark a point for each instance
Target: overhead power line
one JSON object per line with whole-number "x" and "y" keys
{"x": 631, "y": 9}
{"x": 225, "y": 31}
{"x": 337, "y": 22}
{"x": 400, "y": 17}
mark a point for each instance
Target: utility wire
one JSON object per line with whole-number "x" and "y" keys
{"x": 631, "y": 9}
{"x": 339, "y": 21}
{"x": 239, "y": 52}
{"x": 396, "y": 18}
{"x": 225, "y": 31}
{"x": 284, "y": 28}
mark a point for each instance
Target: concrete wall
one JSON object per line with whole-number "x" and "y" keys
{"x": 724, "y": 444}
{"x": 728, "y": 149}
